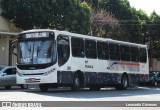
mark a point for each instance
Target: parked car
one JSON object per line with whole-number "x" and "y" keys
{"x": 8, "y": 77}
{"x": 154, "y": 78}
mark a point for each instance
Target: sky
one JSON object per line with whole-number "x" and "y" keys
{"x": 147, "y": 5}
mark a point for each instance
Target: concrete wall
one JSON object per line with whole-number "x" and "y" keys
{"x": 5, "y": 55}
{"x": 6, "y": 26}
{"x": 4, "y": 45}
{"x": 154, "y": 64}
{"x": 4, "y": 52}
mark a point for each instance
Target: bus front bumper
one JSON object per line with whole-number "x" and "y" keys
{"x": 36, "y": 79}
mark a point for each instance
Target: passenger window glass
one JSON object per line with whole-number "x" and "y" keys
{"x": 102, "y": 48}
{"x": 125, "y": 53}
{"x": 114, "y": 51}
{"x": 77, "y": 47}
{"x": 63, "y": 49}
{"x": 134, "y": 54}
{"x": 142, "y": 55}
{"x": 90, "y": 49}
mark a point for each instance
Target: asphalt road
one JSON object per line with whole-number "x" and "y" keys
{"x": 108, "y": 95}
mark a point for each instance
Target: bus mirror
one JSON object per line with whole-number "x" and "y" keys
{"x": 13, "y": 46}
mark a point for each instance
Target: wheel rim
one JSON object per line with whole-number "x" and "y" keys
{"x": 155, "y": 83}
{"x": 125, "y": 82}
{"x": 77, "y": 83}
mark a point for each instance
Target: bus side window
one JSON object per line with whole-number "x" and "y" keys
{"x": 77, "y": 47}
{"x": 114, "y": 51}
{"x": 102, "y": 48}
{"x": 125, "y": 52}
{"x": 63, "y": 49}
{"x": 90, "y": 49}
{"x": 134, "y": 54}
{"x": 142, "y": 55}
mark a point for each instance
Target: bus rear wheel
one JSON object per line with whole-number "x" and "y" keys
{"x": 43, "y": 87}
{"x": 124, "y": 83}
{"x": 155, "y": 83}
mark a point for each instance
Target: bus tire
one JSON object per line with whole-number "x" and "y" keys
{"x": 76, "y": 83}
{"x": 43, "y": 87}
{"x": 124, "y": 83}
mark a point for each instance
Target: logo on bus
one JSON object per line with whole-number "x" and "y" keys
{"x": 88, "y": 66}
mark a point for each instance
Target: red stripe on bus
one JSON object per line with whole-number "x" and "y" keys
{"x": 131, "y": 64}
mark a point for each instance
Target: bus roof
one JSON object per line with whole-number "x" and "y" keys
{"x": 35, "y": 30}
{"x": 85, "y": 36}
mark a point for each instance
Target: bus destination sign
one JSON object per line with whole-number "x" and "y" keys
{"x": 36, "y": 35}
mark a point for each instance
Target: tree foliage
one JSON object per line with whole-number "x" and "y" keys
{"x": 114, "y": 18}
{"x": 134, "y": 25}
{"x": 72, "y": 15}
{"x": 102, "y": 23}
{"x": 153, "y": 34}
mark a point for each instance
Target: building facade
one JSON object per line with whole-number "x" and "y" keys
{"x": 6, "y": 56}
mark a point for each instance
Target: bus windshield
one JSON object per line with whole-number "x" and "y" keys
{"x": 36, "y": 52}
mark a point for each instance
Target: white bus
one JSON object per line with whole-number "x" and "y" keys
{"x": 54, "y": 58}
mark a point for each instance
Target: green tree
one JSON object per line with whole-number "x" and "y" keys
{"x": 154, "y": 34}
{"x": 71, "y": 15}
{"x": 132, "y": 23}
{"x": 103, "y": 22}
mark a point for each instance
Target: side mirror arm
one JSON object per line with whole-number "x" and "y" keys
{"x": 13, "y": 47}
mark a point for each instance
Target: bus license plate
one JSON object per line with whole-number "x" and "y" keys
{"x": 30, "y": 80}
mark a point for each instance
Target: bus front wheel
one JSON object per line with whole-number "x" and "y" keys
{"x": 76, "y": 83}
{"x": 43, "y": 87}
